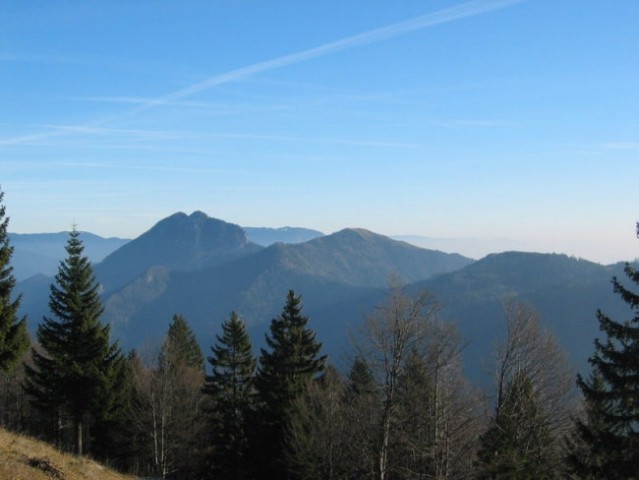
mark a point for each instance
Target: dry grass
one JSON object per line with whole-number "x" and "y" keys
{"x": 22, "y": 458}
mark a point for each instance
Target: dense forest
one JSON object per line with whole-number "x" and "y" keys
{"x": 403, "y": 408}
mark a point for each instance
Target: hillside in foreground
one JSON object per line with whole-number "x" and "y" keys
{"x": 23, "y": 458}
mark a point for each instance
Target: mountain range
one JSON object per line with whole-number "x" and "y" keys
{"x": 203, "y": 268}
{"x": 40, "y": 253}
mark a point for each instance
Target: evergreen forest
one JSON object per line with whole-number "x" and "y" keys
{"x": 402, "y": 408}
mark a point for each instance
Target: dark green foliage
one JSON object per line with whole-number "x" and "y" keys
{"x": 113, "y": 431}
{"x": 78, "y": 371}
{"x": 292, "y": 361}
{"x": 361, "y": 381}
{"x": 230, "y": 387}
{"x": 515, "y": 445}
{"x": 14, "y": 340}
{"x": 285, "y": 370}
{"x": 181, "y": 345}
{"x": 610, "y": 431}
{"x": 587, "y": 446}
{"x": 414, "y": 442}
{"x": 361, "y": 412}
{"x": 317, "y": 434}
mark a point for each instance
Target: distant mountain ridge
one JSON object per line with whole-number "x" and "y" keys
{"x": 349, "y": 262}
{"x": 40, "y": 253}
{"x": 565, "y": 291}
{"x": 203, "y": 268}
{"x": 178, "y": 242}
{"x": 266, "y": 237}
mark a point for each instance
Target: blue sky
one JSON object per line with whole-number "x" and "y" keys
{"x": 487, "y": 125}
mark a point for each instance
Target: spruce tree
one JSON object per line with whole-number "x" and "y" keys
{"x": 362, "y": 399}
{"x": 317, "y": 435}
{"x": 515, "y": 446}
{"x": 176, "y": 399}
{"x": 284, "y": 372}
{"x": 181, "y": 344}
{"x": 230, "y": 387}
{"x": 76, "y": 373}
{"x": 610, "y": 431}
{"x": 586, "y": 446}
{"x": 14, "y": 339}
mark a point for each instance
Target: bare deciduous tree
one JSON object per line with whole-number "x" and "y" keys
{"x": 426, "y": 427}
{"x": 168, "y": 412}
{"x": 533, "y": 350}
{"x": 534, "y": 399}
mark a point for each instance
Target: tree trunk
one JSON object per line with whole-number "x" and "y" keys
{"x": 78, "y": 437}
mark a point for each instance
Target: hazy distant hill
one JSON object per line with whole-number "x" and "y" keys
{"x": 331, "y": 272}
{"x": 204, "y": 268}
{"x": 565, "y": 291}
{"x": 268, "y": 236}
{"x": 363, "y": 258}
{"x": 36, "y": 253}
{"x": 179, "y": 242}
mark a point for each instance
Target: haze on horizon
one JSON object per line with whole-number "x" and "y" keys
{"x": 510, "y": 124}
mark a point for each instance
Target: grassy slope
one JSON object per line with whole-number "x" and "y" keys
{"x": 22, "y": 458}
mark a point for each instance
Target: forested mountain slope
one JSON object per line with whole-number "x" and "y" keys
{"x": 564, "y": 290}
{"x": 204, "y": 268}
{"x": 335, "y": 274}
{"x": 178, "y": 242}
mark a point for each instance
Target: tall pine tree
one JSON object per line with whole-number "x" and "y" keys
{"x": 14, "y": 340}
{"x": 230, "y": 387}
{"x": 610, "y": 433}
{"x": 515, "y": 445}
{"x": 175, "y": 402}
{"x": 181, "y": 344}
{"x": 285, "y": 369}
{"x": 76, "y": 374}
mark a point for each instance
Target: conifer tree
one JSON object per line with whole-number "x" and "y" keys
{"x": 76, "y": 373}
{"x": 14, "y": 339}
{"x": 230, "y": 387}
{"x": 285, "y": 370}
{"x": 611, "y": 430}
{"x": 587, "y": 445}
{"x": 317, "y": 433}
{"x": 182, "y": 345}
{"x": 362, "y": 406}
{"x": 175, "y": 400}
{"x": 514, "y": 447}
{"x": 533, "y": 402}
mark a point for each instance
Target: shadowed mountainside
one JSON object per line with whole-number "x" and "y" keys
{"x": 565, "y": 291}
{"x": 179, "y": 242}
{"x": 335, "y": 271}
{"x": 204, "y": 268}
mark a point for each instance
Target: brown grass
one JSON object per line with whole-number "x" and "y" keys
{"x": 22, "y": 458}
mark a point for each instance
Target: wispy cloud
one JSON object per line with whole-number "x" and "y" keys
{"x": 142, "y": 101}
{"x": 155, "y": 136}
{"x": 157, "y": 168}
{"x": 214, "y": 107}
{"x": 458, "y": 12}
{"x": 36, "y": 58}
{"x": 619, "y": 146}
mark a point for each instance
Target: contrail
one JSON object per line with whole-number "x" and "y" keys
{"x": 440, "y": 17}
{"x": 436, "y": 18}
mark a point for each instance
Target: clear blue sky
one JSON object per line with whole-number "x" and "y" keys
{"x": 509, "y": 122}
